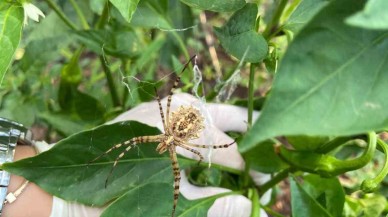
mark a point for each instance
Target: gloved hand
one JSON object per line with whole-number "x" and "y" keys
{"x": 218, "y": 118}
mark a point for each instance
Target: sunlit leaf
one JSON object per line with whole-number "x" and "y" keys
{"x": 11, "y": 19}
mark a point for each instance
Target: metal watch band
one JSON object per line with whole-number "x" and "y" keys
{"x": 10, "y": 134}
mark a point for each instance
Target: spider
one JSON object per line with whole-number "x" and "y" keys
{"x": 183, "y": 125}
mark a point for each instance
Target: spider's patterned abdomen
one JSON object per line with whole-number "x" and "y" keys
{"x": 186, "y": 123}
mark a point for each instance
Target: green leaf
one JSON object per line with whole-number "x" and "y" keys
{"x": 239, "y": 38}
{"x": 326, "y": 191}
{"x": 303, "y": 205}
{"x": 331, "y": 81}
{"x": 216, "y": 5}
{"x": 141, "y": 200}
{"x": 11, "y": 19}
{"x": 264, "y": 159}
{"x": 119, "y": 43}
{"x": 66, "y": 172}
{"x": 305, "y": 11}
{"x": 373, "y": 16}
{"x": 126, "y": 8}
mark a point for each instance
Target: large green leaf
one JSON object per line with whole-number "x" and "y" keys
{"x": 374, "y": 15}
{"x": 303, "y": 205}
{"x": 11, "y": 19}
{"x": 332, "y": 81}
{"x": 303, "y": 14}
{"x": 126, "y": 8}
{"x": 239, "y": 38}
{"x": 215, "y": 5}
{"x": 141, "y": 200}
{"x": 64, "y": 170}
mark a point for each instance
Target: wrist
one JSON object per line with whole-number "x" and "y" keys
{"x": 21, "y": 152}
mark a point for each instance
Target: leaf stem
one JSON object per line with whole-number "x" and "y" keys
{"x": 334, "y": 143}
{"x": 61, "y": 15}
{"x": 111, "y": 84}
{"x": 251, "y": 92}
{"x": 80, "y": 14}
{"x": 272, "y": 25}
{"x": 253, "y": 195}
{"x": 275, "y": 180}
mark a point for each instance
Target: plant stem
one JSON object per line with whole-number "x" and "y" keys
{"x": 111, "y": 84}
{"x": 275, "y": 180}
{"x": 251, "y": 91}
{"x": 334, "y": 143}
{"x": 272, "y": 25}
{"x": 61, "y": 15}
{"x": 370, "y": 185}
{"x": 80, "y": 14}
{"x": 254, "y": 197}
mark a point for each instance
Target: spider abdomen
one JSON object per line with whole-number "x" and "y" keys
{"x": 186, "y": 123}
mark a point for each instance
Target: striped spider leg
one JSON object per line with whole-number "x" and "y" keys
{"x": 180, "y": 127}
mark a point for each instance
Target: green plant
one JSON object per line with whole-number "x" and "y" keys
{"x": 328, "y": 59}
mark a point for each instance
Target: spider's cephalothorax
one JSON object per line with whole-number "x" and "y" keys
{"x": 183, "y": 125}
{"x": 186, "y": 123}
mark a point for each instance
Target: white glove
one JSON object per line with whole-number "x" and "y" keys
{"x": 218, "y": 118}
